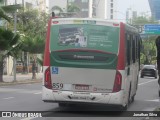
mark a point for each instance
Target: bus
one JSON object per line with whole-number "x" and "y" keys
{"x": 90, "y": 61}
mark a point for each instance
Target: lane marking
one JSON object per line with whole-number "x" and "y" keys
{"x": 30, "y": 118}
{"x": 155, "y": 100}
{"x": 38, "y": 93}
{"x": 8, "y": 98}
{"x": 147, "y": 82}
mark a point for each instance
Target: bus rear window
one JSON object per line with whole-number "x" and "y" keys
{"x": 73, "y": 36}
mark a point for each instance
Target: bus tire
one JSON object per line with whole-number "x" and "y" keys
{"x": 129, "y": 100}
{"x": 132, "y": 99}
{"x": 124, "y": 108}
{"x": 62, "y": 104}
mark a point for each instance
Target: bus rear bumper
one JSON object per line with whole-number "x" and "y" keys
{"x": 82, "y": 97}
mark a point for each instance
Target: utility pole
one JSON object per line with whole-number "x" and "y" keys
{"x": 15, "y": 30}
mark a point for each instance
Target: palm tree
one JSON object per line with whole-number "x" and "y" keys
{"x": 8, "y": 40}
{"x": 71, "y": 10}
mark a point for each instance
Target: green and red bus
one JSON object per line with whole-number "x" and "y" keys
{"x": 90, "y": 61}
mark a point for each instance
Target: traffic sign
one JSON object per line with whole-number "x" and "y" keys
{"x": 152, "y": 29}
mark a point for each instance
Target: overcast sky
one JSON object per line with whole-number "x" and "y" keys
{"x": 136, "y": 5}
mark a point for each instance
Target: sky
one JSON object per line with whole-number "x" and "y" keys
{"x": 136, "y": 5}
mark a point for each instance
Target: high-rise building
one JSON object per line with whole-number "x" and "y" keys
{"x": 106, "y": 9}
{"x": 96, "y": 8}
{"x": 51, "y": 3}
{"x": 83, "y": 5}
{"x": 29, "y": 4}
{"x": 88, "y": 8}
{"x": 130, "y": 15}
{"x": 155, "y": 8}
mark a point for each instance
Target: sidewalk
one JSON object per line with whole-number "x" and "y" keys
{"x": 21, "y": 79}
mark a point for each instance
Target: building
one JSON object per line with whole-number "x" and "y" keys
{"x": 41, "y": 5}
{"x": 51, "y": 3}
{"x": 106, "y": 9}
{"x": 130, "y": 15}
{"x": 88, "y": 8}
{"x": 155, "y": 8}
{"x": 26, "y": 3}
{"x": 96, "y": 8}
{"x": 29, "y": 4}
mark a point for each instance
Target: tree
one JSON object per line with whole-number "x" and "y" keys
{"x": 8, "y": 44}
{"x": 7, "y": 9}
{"x": 71, "y": 10}
{"x": 141, "y": 20}
{"x": 32, "y": 28}
{"x": 8, "y": 40}
{"x": 148, "y": 53}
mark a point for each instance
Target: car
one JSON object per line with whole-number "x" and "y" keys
{"x": 149, "y": 70}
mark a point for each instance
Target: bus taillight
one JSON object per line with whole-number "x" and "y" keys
{"x": 47, "y": 81}
{"x": 117, "y": 82}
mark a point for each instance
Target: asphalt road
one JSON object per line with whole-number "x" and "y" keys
{"x": 27, "y": 97}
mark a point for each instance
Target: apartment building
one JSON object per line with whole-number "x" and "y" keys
{"x": 96, "y": 8}
{"x": 51, "y": 3}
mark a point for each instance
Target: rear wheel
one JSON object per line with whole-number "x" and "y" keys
{"x": 124, "y": 108}
{"x": 155, "y": 76}
{"x": 62, "y": 104}
{"x": 142, "y": 76}
{"x": 132, "y": 99}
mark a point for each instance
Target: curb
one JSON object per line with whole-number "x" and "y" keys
{"x": 20, "y": 82}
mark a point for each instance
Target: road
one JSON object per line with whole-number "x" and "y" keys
{"x": 27, "y": 97}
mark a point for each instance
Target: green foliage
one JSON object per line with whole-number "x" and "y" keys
{"x": 32, "y": 27}
{"x": 7, "y": 39}
{"x": 57, "y": 8}
{"x": 73, "y": 8}
{"x": 64, "y": 13}
{"x": 7, "y": 9}
{"x": 148, "y": 53}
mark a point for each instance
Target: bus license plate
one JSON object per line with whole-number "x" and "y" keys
{"x": 82, "y": 87}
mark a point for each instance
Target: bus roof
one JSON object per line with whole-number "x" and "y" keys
{"x": 96, "y": 21}
{"x": 85, "y": 21}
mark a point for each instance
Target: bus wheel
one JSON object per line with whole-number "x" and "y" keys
{"x": 129, "y": 100}
{"x": 142, "y": 76}
{"x": 124, "y": 108}
{"x": 132, "y": 99}
{"x": 62, "y": 104}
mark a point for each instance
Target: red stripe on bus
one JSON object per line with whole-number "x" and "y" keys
{"x": 46, "y": 52}
{"x": 84, "y": 50}
{"x": 121, "y": 55}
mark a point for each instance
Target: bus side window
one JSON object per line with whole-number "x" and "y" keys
{"x": 137, "y": 47}
{"x": 133, "y": 49}
{"x": 128, "y": 50}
